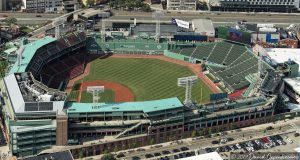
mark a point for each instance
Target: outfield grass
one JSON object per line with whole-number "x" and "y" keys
{"x": 148, "y": 79}
{"x": 107, "y": 96}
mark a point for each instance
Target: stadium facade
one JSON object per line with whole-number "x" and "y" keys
{"x": 38, "y": 116}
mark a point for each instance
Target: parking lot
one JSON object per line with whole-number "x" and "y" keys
{"x": 273, "y": 143}
{"x": 199, "y": 145}
{"x": 276, "y": 143}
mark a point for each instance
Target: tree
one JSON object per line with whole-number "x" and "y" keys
{"x": 10, "y": 20}
{"x": 195, "y": 134}
{"x": 108, "y": 156}
{"x": 209, "y": 131}
{"x": 201, "y": 132}
{"x": 80, "y": 154}
{"x": 146, "y": 7}
{"x": 152, "y": 141}
{"x": 90, "y": 2}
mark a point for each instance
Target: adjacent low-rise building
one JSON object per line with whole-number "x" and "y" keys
{"x": 41, "y": 6}
{"x": 181, "y": 4}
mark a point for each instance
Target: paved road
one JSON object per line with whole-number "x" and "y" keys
{"x": 28, "y": 15}
{"x": 256, "y": 132}
{"x": 215, "y": 18}
{"x": 206, "y": 142}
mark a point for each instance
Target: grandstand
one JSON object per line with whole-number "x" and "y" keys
{"x": 229, "y": 62}
{"x": 57, "y": 73}
{"x": 36, "y": 55}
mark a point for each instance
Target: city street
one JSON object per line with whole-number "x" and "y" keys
{"x": 200, "y": 143}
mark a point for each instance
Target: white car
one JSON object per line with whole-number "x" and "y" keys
{"x": 289, "y": 140}
{"x": 249, "y": 144}
{"x": 267, "y": 146}
{"x": 257, "y": 142}
{"x": 238, "y": 146}
{"x": 279, "y": 142}
{"x": 250, "y": 149}
{"x": 223, "y": 140}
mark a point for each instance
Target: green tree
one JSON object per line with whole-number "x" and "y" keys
{"x": 116, "y": 149}
{"x": 201, "y": 132}
{"x": 80, "y": 154}
{"x": 90, "y": 3}
{"x": 195, "y": 134}
{"x": 146, "y": 8}
{"x": 10, "y": 20}
{"x": 152, "y": 141}
{"x": 108, "y": 156}
{"x": 209, "y": 130}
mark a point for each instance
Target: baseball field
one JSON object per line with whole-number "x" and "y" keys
{"x": 145, "y": 78}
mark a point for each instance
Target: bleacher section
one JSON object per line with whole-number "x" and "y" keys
{"x": 215, "y": 54}
{"x": 237, "y": 59}
{"x": 54, "y": 50}
{"x": 63, "y": 69}
{"x": 270, "y": 82}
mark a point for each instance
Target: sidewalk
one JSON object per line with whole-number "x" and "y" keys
{"x": 255, "y": 132}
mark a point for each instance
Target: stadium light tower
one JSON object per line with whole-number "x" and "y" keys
{"x": 56, "y": 23}
{"x": 103, "y": 29}
{"x": 157, "y": 15}
{"x": 20, "y": 52}
{"x": 187, "y": 82}
{"x": 95, "y": 90}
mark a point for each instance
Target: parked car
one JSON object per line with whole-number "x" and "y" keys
{"x": 157, "y": 154}
{"x": 289, "y": 140}
{"x": 149, "y": 156}
{"x": 166, "y": 152}
{"x": 238, "y": 146}
{"x": 176, "y": 150}
{"x": 136, "y": 158}
{"x": 141, "y": 149}
{"x": 279, "y": 142}
{"x": 184, "y": 148}
{"x": 223, "y": 140}
{"x": 232, "y": 148}
{"x": 269, "y": 128}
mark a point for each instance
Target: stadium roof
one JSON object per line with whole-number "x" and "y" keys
{"x": 145, "y": 106}
{"x": 206, "y": 156}
{"x": 14, "y": 92}
{"x": 281, "y": 55}
{"x": 28, "y": 53}
{"x": 20, "y": 101}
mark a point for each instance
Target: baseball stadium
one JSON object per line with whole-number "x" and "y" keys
{"x": 85, "y": 87}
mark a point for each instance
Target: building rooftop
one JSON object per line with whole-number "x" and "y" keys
{"x": 203, "y": 26}
{"x": 145, "y": 106}
{"x": 281, "y": 55}
{"x": 10, "y": 50}
{"x": 28, "y": 53}
{"x": 294, "y": 83}
{"x": 88, "y": 13}
{"x": 28, "y": 95}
